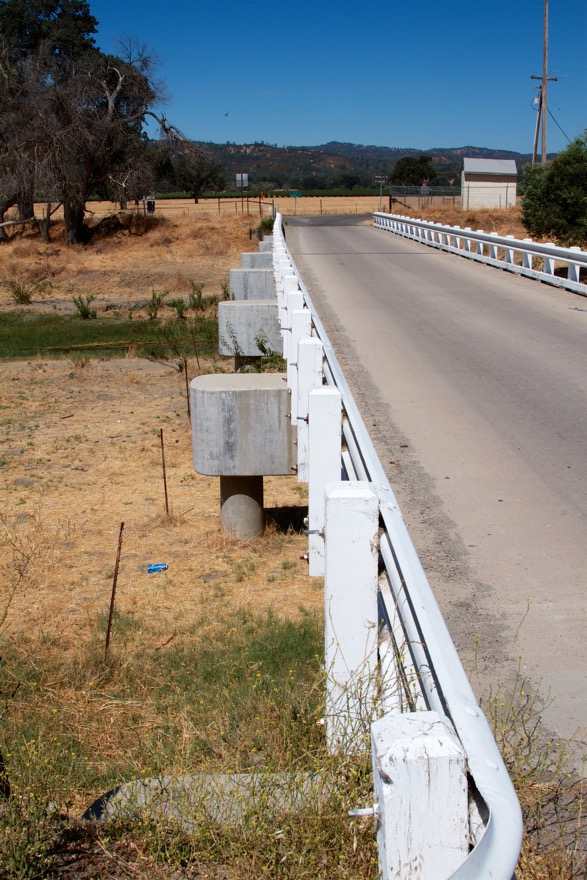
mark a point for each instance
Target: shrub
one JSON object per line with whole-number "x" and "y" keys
{"x": 83, "y": 303}
{"x": 195, "y": 298}
{"x": 155, "y": 303}
{"x": 179, "y": 306}
{"x": 21, "y": 292}
{"x": 265, "y": 227}
{"x": 554, "y": 196}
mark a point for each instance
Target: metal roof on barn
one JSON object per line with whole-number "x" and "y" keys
{"x": 490, "y": 166}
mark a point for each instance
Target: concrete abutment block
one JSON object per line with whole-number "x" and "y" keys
{"x": 241, "y": 431}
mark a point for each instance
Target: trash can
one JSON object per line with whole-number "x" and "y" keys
{"x": 150, "y": 204}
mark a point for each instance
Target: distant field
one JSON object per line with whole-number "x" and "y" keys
{"x": 215, "y": 207}
{"x": 440, "y": 208}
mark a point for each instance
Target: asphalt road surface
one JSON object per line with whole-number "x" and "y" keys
{"x": 473, "y": 385}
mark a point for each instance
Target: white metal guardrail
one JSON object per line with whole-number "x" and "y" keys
{"x": 504, "y": 251}
{"x": 417, "y": 662}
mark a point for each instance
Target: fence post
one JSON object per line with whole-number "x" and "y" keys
{"x": 310, "y": 375}
{"x": 420, "y": 783}
{"x": 325, "y": 409}
{"x": 350, "y": 613}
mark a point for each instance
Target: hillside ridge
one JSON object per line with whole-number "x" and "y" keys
{"x": 337, "y": 163}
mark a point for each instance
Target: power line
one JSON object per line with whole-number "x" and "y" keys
{"x": 557, "y": 125}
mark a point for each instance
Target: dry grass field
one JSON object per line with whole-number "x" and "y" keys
{"x": 123, "y": 264}
{"x": 81, "y": 453}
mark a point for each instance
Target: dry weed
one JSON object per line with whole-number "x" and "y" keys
{"x": 505, "y": 222}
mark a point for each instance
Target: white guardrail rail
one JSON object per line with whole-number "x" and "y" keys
{"x": 416, "y": 661}
{"x": 504, "y": 251}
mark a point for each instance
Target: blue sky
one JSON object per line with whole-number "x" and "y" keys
{"x": 398, "y": 73}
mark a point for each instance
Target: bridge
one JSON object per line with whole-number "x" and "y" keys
{"x": 484, "y": 376}
{"x": 462, "y": 389}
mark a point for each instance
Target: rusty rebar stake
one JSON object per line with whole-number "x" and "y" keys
{"x": 112, "y": 597}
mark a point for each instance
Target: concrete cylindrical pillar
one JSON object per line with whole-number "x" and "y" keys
{"x": 241, "y": 506}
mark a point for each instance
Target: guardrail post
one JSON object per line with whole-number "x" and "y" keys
{"x": 310, "y": 375}
{"x": 508, "y": 256}
{"x": 351, "y": 615}
{"x": 294, "y": 301}
{"x": 289, "y": 284}
{"x": 549, "y": 261}
{"x": 420, "y": 784}
{"x": 526, "y": 256}
{"x": 325, "y": 411}
{"x": 301, "y": 327}
{"x": 573, "y": 268}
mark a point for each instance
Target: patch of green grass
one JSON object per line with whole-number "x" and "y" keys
{"x": 237, "y": 695}
{"x": 24, "y": 335}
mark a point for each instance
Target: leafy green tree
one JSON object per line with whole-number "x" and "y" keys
{"x": 196, "y": 173}
{"x": 413, "y": 170}
{"x": 65, "y": 25}
{"x": 555, "y": 196}
{"x": 348, "y": 179}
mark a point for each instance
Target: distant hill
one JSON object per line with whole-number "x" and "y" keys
{"x": 392, "y": 154}
{"x": 336, "y": 163}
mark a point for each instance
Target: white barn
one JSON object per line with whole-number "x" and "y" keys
{"x": 488, "y": 183}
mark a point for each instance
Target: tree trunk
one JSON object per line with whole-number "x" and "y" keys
{"x": 5, "y": 204}
{"x": 3, "y": 236}
{"x": 73, "y": 214}
{"x": 43, "y": 224}
{"x": 25, "y": 202}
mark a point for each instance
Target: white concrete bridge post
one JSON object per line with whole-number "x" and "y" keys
{"x": 325, "y": 412}
{"x": 310, "y": 376}
{"x": 527, "y": 257}
{"x": 350, "y": 613}
{"x": 294, "y": 301}
{"x": 301, "y": 328}
{"x": 421, "y": 796}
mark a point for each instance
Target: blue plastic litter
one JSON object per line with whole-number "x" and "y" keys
{"x": 157, "y": 566}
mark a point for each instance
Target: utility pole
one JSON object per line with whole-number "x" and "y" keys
{"x": 545, "y": 79}
{"x": 381, "y": 181}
